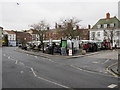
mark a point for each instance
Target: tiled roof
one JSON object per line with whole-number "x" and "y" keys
{"x": 107, "y": 21}
{"x": 9, "y": 32}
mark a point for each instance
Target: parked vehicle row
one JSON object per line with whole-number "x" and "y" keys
{"x": 56, "y": 47}
{"x": 95, "y": 46}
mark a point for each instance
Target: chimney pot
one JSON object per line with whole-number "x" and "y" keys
{"x": 89, "y": 26}
{"x": 107, "y": 15}
{"x": 56, "y": 25}
{"x": 48, "y": 28}
{"x": 77, "y": 27}
{"x": 59, "y": 26}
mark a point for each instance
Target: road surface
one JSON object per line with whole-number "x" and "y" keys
{"x": 21, "y": 70}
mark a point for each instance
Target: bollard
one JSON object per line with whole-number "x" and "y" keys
{"x": 83, "y": 52}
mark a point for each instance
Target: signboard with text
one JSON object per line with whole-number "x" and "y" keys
{"x": 64, "y": 43}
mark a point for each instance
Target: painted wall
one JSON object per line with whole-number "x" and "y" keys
{"x": 116, "y": 36}
{"x": 11, "y": 42}
{"x": 98, "y": 38}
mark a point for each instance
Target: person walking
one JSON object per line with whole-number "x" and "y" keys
{"x": 115, "y": 46}
{"x": 86, "y": 47}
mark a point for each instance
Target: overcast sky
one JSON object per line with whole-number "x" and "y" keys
{"x": 19, "y": 17}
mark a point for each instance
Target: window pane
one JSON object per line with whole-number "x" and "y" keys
{"x": 98, "y": 26}
{"x": 98, "y": 34}
{"x": 105, "y": 25}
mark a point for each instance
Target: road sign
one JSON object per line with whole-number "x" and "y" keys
{"x": 70, "y": 52}
{"x": 64, "y": 43}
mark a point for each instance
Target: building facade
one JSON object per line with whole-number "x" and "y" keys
{"x": 58, "y": 33}
{"x": 34, "y": 34}
{"x": 55, "y": 34}
{"x": 107, "y": 29}
{"x": 22, "y": 37}
{"x": 11, "y": 37}
{"x": 84, "y": 34}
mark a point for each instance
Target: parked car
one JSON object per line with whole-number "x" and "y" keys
{"x": 24, "y": 47}
{"x": 19, "y": 45}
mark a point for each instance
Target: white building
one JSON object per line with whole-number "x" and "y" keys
{"x": 106, "y": 29}
{"x": 11, "y": 37}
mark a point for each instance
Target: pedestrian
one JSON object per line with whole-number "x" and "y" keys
{"x": 115, "y": 46}
{"x": 86, "y": 47}
{"x": 39, "y": 47}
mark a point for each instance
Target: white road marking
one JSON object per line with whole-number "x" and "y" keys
{"x": 21, "y": 63}
{"x": 35, "y": 56}
{"x": 4, "y": 54}
{"x": 51, "y": 60}
{"x": 47, "y": 79}
{"x": 12, "y": 59}
{"x": 100, "y": 71}
{"x": 105, "y": 61}
{"x": 89, "y": 71}
{"x": 53, "y": 82}
{"x": 105, "y": 72}
{"x": 28, "y": 67}
{"x": 76, "y": 67}
{"x": 21, "y": 72}
{"x": 33, "y": 72}
{"x": 112, "y": 86}
{"x": 16, "y": 62}
{"x": 95, "y": 62}
{"x": 8, "y": 57}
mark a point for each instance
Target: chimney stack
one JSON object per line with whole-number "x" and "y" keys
{"x": 89, "y": 26}
{"x": 55, "y": 25}
{"x": 77, "y": 27}
{"x": 107, "y": 15}
{"x": 48, "y": 28}
{"x": 59, "y": 26}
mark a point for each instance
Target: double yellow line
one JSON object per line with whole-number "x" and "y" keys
{"x": 107, "y": 69}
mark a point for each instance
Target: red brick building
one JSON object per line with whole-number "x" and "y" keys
{"x": 57, "y": 34}
{"x": 22, "y": 37}
{"x": 84, "y": 34}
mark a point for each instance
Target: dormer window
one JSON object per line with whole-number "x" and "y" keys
{"x": 99, "y": 26}
{"x": 108, "y": 25}
{"x": 105, "y": 25}
{"x": 112, "y": 25}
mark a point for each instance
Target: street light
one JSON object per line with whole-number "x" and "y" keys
{"x": 72, "y": 46}
{"x": 24, "y": 43}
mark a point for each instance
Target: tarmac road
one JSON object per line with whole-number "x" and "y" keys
{"x": 21, "y": 70}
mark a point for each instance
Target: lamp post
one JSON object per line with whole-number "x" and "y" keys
{"x": 24, "y": 42}
{"x": 119, "y": 62}
{"x": 72, "y": 46}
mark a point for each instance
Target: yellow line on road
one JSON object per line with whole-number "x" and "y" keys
{"x": 107, "y": 69}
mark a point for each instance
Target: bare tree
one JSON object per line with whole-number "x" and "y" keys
{"x": 41, "y": 28}
{"x": 69, "y": 25}
{"x": 109, "y": 35}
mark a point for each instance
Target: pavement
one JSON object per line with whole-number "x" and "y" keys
{"x": 107, "y": 59}
{"x": 33, "y": 52}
